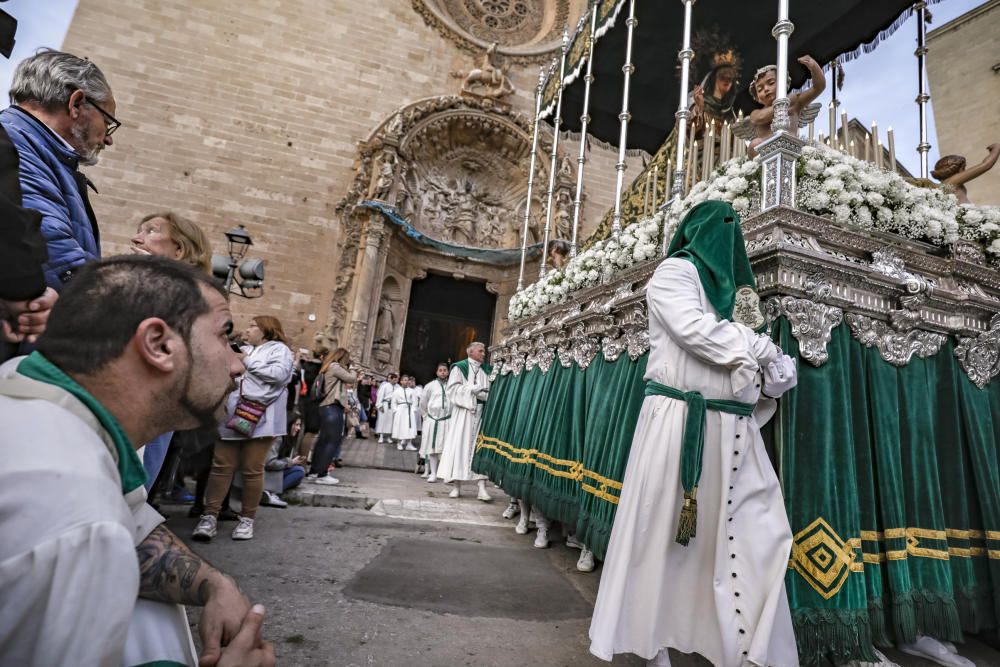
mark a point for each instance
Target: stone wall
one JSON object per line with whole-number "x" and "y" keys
{"x": 965, "y": 89}
{"x": 250, "y": 112}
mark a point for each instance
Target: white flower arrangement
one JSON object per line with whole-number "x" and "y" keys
{"x": 830, "y": 184}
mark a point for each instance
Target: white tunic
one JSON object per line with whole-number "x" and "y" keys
{"x": 722, "y": 596}
{"x": 383, "y": 404}
{"x": 466, "y": 411}
{"x": 418, "y": 393}
{"x": 437, "y": 409}
{"x": 404, "y": 413}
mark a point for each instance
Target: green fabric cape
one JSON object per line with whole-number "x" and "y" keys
{"x": 37, "y": 367}
{"x": 710, "y": 238}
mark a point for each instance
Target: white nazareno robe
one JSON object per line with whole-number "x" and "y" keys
{"x": 404, "y": 413}
{"x": 383, "y": 405}
{"x": 436, "y": 409}
{"x": 723, "y": 595}
{"x": 466, "y": 411}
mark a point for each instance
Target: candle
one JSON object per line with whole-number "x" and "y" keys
{"x": 656, "y": 183}
{"x": 877, "y": 145}
{"x": 725, "y": 144}
{"x": 833, "y": 120}
{"x": 868, "y": 148}
{"x": 693, "y": 172}
{"x": 844, "y": 130}
{"x": 645, "y": 195}
{"x": 710, "y": 152}
{"x": 812, "y": 123}
{"x": 892, "y": 149}
{"x": 851, "y": 150}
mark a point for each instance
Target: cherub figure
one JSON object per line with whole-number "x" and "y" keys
{"x": 951, "y": 172}
{"x": 764, "y": 89}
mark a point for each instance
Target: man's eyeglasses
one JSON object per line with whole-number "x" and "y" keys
{"x": 110, "y": 122}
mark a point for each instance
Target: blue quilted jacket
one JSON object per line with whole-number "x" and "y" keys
{"x": 53, "y": 185}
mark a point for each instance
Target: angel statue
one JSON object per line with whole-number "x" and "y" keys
{"x": 951, "y": 172}
{"x": 763, "y": 89}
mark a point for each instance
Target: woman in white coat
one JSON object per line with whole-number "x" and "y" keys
{"x": 701, "y": 541}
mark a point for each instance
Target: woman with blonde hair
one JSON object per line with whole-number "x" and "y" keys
{"x": 330, "y": 391}
{"x": 257, "y": 415}
{"x": 167, "y": 234}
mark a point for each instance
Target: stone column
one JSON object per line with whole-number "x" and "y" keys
{"x": 370, "y": 268}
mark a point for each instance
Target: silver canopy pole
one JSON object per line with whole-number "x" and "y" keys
{"x": 624, "y": 116}
{"x": 781, "y": 31}
{"x": 531, "y": 175}
{"x": 553, "y": 165}
{"x": 923, "y": 97}
{"x": 685, "y": 55}
{"x": 581, "y": 160}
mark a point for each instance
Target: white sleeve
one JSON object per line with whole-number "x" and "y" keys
{"x": 675, "y": 304}
{"x": 459, "y": 393}
{"x": 69, "y": 600}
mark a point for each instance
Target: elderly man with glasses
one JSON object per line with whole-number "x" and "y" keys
{"x": 60, "y": 117}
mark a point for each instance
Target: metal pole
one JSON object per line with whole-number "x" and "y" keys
{"x": 531, "y": 176}
{"x": 581, "y": 160}
{"x": 781, "y": 122}
{"x": 553, "y": 164}
{"x": 923, "y": 97}
{"x": 624, "y": 116}
{"x": 685, "y": 55}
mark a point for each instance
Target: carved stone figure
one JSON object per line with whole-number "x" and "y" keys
{"x": 488, "y": 79}
{"x": 385, "y": 325}
{"x": 386, "y": 174}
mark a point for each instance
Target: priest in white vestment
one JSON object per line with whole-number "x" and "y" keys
{"x": 404, "y": 414}
{"x": 436, "y": 409}
{"x": 700, "y": 544}
{"x": 383, "y": 405}
{"x": 468, "y": 388}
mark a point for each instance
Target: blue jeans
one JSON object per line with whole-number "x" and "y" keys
{"x": 331, "y": 435}
{"x": 292, "y": 477}
{"x": 153, "y": 455}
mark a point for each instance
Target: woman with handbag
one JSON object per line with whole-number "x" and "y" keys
{"x": 330, "y": 390}
{"x": 256, "y": 412}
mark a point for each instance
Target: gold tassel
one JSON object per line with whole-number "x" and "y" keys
{"x": 688, "y": 523}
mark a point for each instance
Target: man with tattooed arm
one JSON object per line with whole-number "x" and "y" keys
{"x": 136, "y": 346}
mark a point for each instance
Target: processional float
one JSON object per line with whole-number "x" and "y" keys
{"x": 888, "y": 294}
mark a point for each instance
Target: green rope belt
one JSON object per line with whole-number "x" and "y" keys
{"x": 436, "y": 420}
{"x": 693, "y": 446}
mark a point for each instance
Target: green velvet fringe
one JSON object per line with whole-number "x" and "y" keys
{"x": 833, "y": 634}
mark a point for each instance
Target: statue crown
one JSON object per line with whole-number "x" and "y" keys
{"x": 726, "y": 58}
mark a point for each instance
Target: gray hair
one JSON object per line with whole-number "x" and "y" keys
{"x": 49, "y": 77}
{"x": 473, "y": 345}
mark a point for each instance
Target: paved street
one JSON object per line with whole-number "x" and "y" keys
{"x": 385, "y": 569}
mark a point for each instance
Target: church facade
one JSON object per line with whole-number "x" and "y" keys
{"x": 377, "y": 153}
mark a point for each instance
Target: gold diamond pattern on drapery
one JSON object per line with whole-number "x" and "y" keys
{"x": 822, "y": 558}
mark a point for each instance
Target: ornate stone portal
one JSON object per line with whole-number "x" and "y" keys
{"x": 449, "y": 177}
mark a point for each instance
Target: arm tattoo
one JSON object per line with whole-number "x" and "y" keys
{"x": 170, "y": 572}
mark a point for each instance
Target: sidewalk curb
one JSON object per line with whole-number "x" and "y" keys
{"x": 310, "y": 498}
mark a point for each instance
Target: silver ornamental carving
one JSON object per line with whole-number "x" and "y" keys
{"x": 811, "y": 322}
{"x": 894, "y": 346}
{"x": 636, "y": 329}
{"x": 516, "y": 360}
{"x": 888, "y": 263}
{"x": 980, "y": 357}
{"x": 746, "y": 309}
{"x": 612, "y": 347}
{"x": 584, "y": 347}
{"x": 966, "y": 251}
{"x": 565, "y": 354}
{"x": 546, "y": 355}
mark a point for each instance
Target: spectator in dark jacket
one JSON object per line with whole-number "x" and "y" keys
{"x": 62, "y": 116}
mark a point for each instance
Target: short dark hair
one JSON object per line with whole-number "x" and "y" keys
{"x": 443, "y": 363}
{"x": 97, "y": 314}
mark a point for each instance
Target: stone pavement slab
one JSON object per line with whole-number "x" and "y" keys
{"x": 368, "y": 453}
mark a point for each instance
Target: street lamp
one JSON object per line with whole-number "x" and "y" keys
{"x": 247, "y": 277}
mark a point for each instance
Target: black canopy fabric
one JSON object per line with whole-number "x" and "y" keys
{"x": 824, "y": 29}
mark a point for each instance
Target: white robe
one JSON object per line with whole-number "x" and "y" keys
{"x": 723, "y": 596}
{"x": 466, "y": 411}
{"x": 437, "y": 409}
{"x": 383, "y": 404}
{"x": 404, "y": 413}
{"x": 418, "y": 392}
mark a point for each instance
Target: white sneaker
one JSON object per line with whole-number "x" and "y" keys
{"x": 542, "y": 537}
{"x": 513, "y": 509}
{"x": 522, "y": 526}
{"x": 425, "y": 474}
{"x": 206, "y": 529}
{"x": 311, "y": 477}
{"x": 410, "y": 448}
{"x": 484, "y": 495}
{"x": 243, "y": 529}
{"x": 935, "y": 651}
{"x": 432, "y": 479}
{"x": 272, "y": 499}
{"x": 399, "y": 446}
{"x": 882, "y": 661}
{"x": 329, "y": 480}
{"x": 381, "y": 440}
{"x": 454, "y": 493}
{"x": 586, "y": 561}
{"x": 574, "y": 543}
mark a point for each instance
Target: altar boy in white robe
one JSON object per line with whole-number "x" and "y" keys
{"x": 383, "y": 404}
{"x": 436, "y": 408}
{"x": 699, "y": 548}
{"x": 404, "y": 414}
{"x": 468, "y": 388}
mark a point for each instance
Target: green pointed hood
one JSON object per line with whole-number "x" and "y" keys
{"x": 710, "y": 238}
